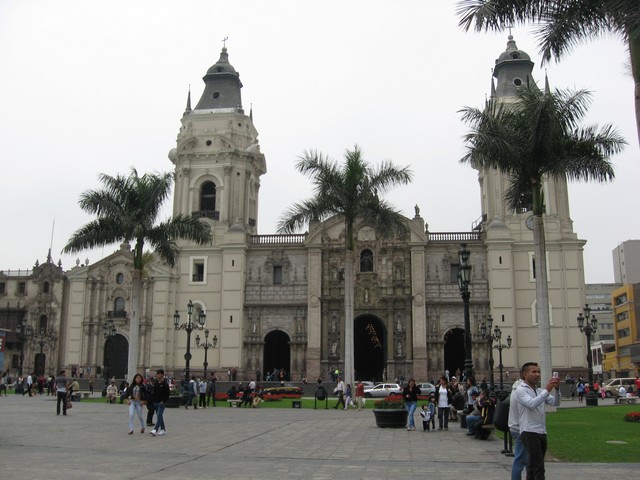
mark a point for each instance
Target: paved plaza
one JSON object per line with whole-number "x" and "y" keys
{"x": 93, "y": 442}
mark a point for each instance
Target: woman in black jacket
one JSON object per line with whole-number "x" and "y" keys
{"x": 410, "y": 396}
{"x": 136, "y": 396}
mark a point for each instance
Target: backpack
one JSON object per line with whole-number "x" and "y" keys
{"x": 501, "y": 415}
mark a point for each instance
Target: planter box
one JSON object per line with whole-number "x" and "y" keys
{"x": 173, "y": 402}
{"x": 391, "y": 418}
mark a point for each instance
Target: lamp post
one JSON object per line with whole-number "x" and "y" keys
{"x": 489, "y": 337}
{"x": 206, "y": 345}
{"x": 25, "y": 332}
{"x": 189, "y": 326}
{"x": 496, "y": 336}
{"x": 588, "y": 329}
{"x": 464, "y": 278}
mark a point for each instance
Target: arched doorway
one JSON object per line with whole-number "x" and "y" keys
{"x": 369, "y": 347}
{"x": 454, "y": 350}
{"x": 116, "y": 356}
{"x": 39, "y": 364}
{"x": 277, "y": 352}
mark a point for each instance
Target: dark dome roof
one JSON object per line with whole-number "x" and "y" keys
{"x": 512, "y": 52}
{"x": 222, "y": 65}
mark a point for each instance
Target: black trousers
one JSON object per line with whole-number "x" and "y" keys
{"x": 150, "y": 412}
{"x": 536, "y": 446}
{"x": 62, "y": 397}
{"x": 443, "y": 417}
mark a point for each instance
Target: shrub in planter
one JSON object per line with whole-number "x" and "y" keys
{"x": 632, "y": 417}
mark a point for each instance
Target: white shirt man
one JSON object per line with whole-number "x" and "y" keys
{"x": 528, "y": 401}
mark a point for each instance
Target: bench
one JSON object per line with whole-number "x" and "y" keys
{"x": 79, "y": 395}
{"x": 628, "y": 399}
{"x": 487, "y": 430}
{"x": 234, "y": 402}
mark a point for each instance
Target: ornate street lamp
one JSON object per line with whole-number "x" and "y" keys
{"x": 25, "y": 332}
{"x": 206, "y": 345}
{"x": 589, "y": 329}
{"x": 464, "y": 278}
{"x": 496, "y": 336}
{"x": 189, "y": 326}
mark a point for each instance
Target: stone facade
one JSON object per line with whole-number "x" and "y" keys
{"x": 277, "y": 301}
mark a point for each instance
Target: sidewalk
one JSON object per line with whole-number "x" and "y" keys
{"x": 238, "y": 444}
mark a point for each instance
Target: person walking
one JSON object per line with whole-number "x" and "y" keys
{"x": 339, "y": 390}
{"x": 529, "y": 403}
{"x": 161, "y": 394}
{"x": 444, "y": 398}
{"x": 62, "y": 386}
{"x": 359, "y": 394}
{"x": 211, "y": 389}
{"x": 149, "y": 389}
{"x": 136, "y": 397}
{"x": 202, "y": 386}
{"x": 410, "y": 396}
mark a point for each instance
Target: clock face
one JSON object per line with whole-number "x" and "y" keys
{"x": 529, "y": 222}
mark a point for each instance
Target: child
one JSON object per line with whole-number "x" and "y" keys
{"x": 431, "y": 408}
{"x": 347, "y": 398}
{"x": 426, "y": 416}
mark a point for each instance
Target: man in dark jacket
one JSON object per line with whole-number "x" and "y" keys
{"x": 161, "y": 394}
{"x": 148, "y": 385}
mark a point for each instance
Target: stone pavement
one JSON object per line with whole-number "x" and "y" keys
{"x": 222, "y": 442}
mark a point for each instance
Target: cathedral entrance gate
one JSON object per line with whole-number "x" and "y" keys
{"x": 369, "y": 348}
{"x": 454, "y": 351}
{"x": 116, "y": 356}
{"x": 39, "y": 364}
{"x": 277, "y": 352}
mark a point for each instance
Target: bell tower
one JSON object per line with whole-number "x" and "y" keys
{"x": 218, "y": 165}
{"x": 509, "y": 243}
{"x": 217, "y": 158}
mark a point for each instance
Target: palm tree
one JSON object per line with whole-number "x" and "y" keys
{"x": 563, "y": 24}
{"x": 349, "y": 191}
{"x": 537, "y": 137}
{"x": 127, "y": 209}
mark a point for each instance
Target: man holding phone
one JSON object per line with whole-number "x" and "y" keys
{"x": 529, "y": 405}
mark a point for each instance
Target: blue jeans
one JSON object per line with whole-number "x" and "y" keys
{"x": 472, "y": 422}
{"x": 159, "y": 408}
{"x": 519, "y": 457}
{"x": 411, "y": 408}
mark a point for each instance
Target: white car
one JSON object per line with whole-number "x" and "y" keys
{"x": 383, "y": 390}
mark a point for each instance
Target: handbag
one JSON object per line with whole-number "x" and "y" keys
{"x": 69, "y": 404}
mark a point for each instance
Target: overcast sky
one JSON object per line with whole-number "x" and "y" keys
{"x": 91, "y": 87}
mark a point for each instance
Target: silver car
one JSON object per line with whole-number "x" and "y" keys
{"x": 383, "y": 390}
{"x": 426, "y": 388}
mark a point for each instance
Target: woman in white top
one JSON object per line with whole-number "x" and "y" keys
{"x": 444, "y": 397}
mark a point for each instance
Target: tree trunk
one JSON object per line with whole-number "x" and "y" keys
{"x": 134, "y": 325}
{"x": 348, "y": 317}
{"x": 634, "y": 57}
{"x": 542, "y": 298}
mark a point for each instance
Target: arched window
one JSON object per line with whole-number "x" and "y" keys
{"x": 42, "y": 328}
{"x": 208, "y": 197}
{"x": 366, "y": 261}
{"x": 118, "y": 307}
{"x": 45, "y": 287}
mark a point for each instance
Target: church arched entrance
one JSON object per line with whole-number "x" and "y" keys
{"x": 454, "y": 350}
{"x": 369, "y": 347}
{"x": 277, "y": 353}
{"x": 116, "y": 356}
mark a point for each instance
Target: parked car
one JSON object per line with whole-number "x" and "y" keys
{"x": 612, "y": 386}
{"x": 368, "y": 384}
{"x": 426, "y": 388}
{"x": 383, "y": 390}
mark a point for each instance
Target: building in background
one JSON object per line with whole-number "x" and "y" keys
{"x": 626, "y": 308}
{"x": 277, "y": 301}
{"x": 626, "y": 262}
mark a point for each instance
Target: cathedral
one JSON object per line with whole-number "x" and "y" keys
{"x": 276, "y": 301}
